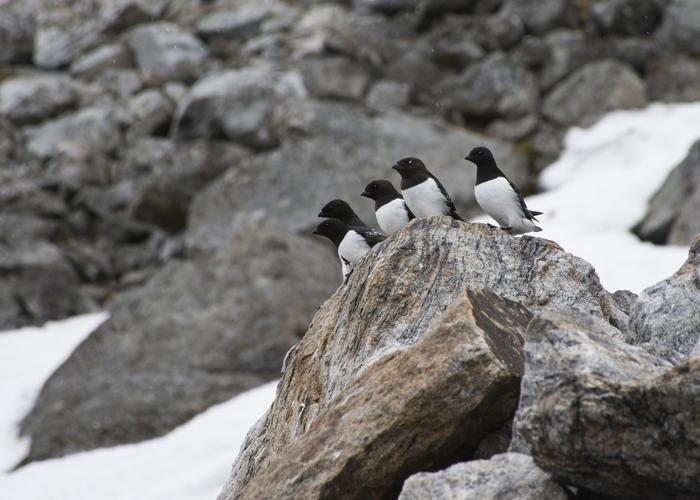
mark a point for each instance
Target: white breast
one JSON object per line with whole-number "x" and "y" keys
{"x": 353, "y": 247}
{"x": 497, "y": 198}
{"x": 425, "y": 199}
{"x": 392, "y": 216}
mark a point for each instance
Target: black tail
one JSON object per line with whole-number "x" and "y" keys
{"x": 456, "y": 216}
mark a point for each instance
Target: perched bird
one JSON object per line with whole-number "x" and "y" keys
{"x": 499, "y": 197}
{"x": 339, "y": 209}
{"x": 389, "y": 206}
{"x": 422, "y": 191}
{"x": 352, "y": 242}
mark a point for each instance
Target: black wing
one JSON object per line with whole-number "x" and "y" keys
{"x": 408, "y": 211}
{"x": 450, "y": 204}
{"x": 530, "y": 214}
{"x": 371, "y": 236}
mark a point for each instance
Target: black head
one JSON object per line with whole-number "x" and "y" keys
{"x": 409, "y": 166}
{"x": 338, "y": 209}
{"x": 333, "y": 229}
{"x": 380, "y": 189}
{"x": 480, "y": 156}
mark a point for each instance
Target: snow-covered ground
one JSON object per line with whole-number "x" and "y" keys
{"x": 594, "y": 194}
{"x": 600, "y": 186}
{"x": 190, "y": 463}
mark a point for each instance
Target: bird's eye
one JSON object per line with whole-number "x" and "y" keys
{"x": 480, "y": 152}
{"x": 410, "y": 162}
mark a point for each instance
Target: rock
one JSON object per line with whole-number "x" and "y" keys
{"x": 94, "y": 130}
{"x": 510, "y": 476}
{"x": 105, "y": 57}
{"x": 32, "y": 99}
{"x": 234, "y": 24}
{"x": 377, "y": 431}
{"x": 196, "y": 334}
{"x": 627, "y": 17}
{"x": 151, "y": 112}
{"x": 334, "y": 148}
{"x": 540, "y": 17}
{"x": 238, "y": 105}
{"x": 667, "y": 315}
{"x": 595, "y": 89}
{"x": 120, "y": 82}
{"x": 334, "y": 78}
{"x": 567, "y": 51}
{"x": 670, "y": 217}
{"x": 492, "y": 88}
{"x": 17, "y": 27}
{"x": 364, "y": 377}
{"x": 674, "y": 78}
{"x": 680, "y": 30}
{"x": 31, "y": 267}
{"x": 121, "y": 14}
{"x": 512, "y": 129}
{"x": 165, "y": 52}
{"x": 387, "y": 94}
{"x": 608, "y": 417}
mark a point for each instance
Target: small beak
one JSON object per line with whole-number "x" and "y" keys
{"x": 320, "y": 214}
{"x": 315, "y": 231}
{"x": 365, "y": 194}
{"x": 397, "y": 168}
{"x": 469, "y": 158}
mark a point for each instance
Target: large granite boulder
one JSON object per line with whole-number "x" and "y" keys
{"x": 666, "y": 316}
{"x": 370, "y": 354}
{"x": 198, "y": 333}
{"x": 606, "y": 416}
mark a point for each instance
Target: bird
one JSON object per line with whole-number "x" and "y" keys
{"x": 352, "y": 242}
{"x": 499, "y": 197}
{"x": 424, "y": 194}
{"x": 340, "y": 209}
{"x": 390, "y": 209}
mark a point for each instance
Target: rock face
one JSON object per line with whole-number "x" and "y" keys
{"x": 606, "y": 416}
{"x": 368, "y": 330}
{"x": 510, "y": 476}
{"x": 32, "y": 99}
{"x": 197, "y": 334}
{"x": 667, "y": 315}
{"x": 672, "y": 213}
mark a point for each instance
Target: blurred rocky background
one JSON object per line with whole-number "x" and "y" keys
{"x": 165, "y": 160}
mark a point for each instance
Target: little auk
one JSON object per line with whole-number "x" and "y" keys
{"x": 422, "y": 191}
{"x": 390, "y": 209}
{"x": 499, "y": 197}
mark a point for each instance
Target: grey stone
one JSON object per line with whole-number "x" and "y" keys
{"x": 95, "y": 62}
{"x": 680, "y": 29}
{"x": 94, "y": 130}
{"x": 335, "y": 148}
{"x": 238, "y": 105}
{"x": 121, "y": 14}
{"x": 365, "y": 367}
{"x": 334, "y": 78}
{"x": 670, "y": 217}
{"x": 32, "y": 99}
{"x": 606, "y": 416}
{"x": 674, "y": 78}
{"x": 510, "y": 476}
{"x": 196, "y": 334}
{"x": 387, "y": 94}
{"x": 539, "y": 16}
{"x": 667, "y": 315}
{"x": 236, "y": 24}
{"x": 163, "y": 51}
{"x": 120, "y": 82}
{"x": 567, "y": 51}
{"x": 513, "y": 129}
{"x": 17, "y": 27}
{"x": 151, "y": 112}
{"x": 627, "y": 17}
{"x": 595, "y": 89}
{"x": 495, "y": 87}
